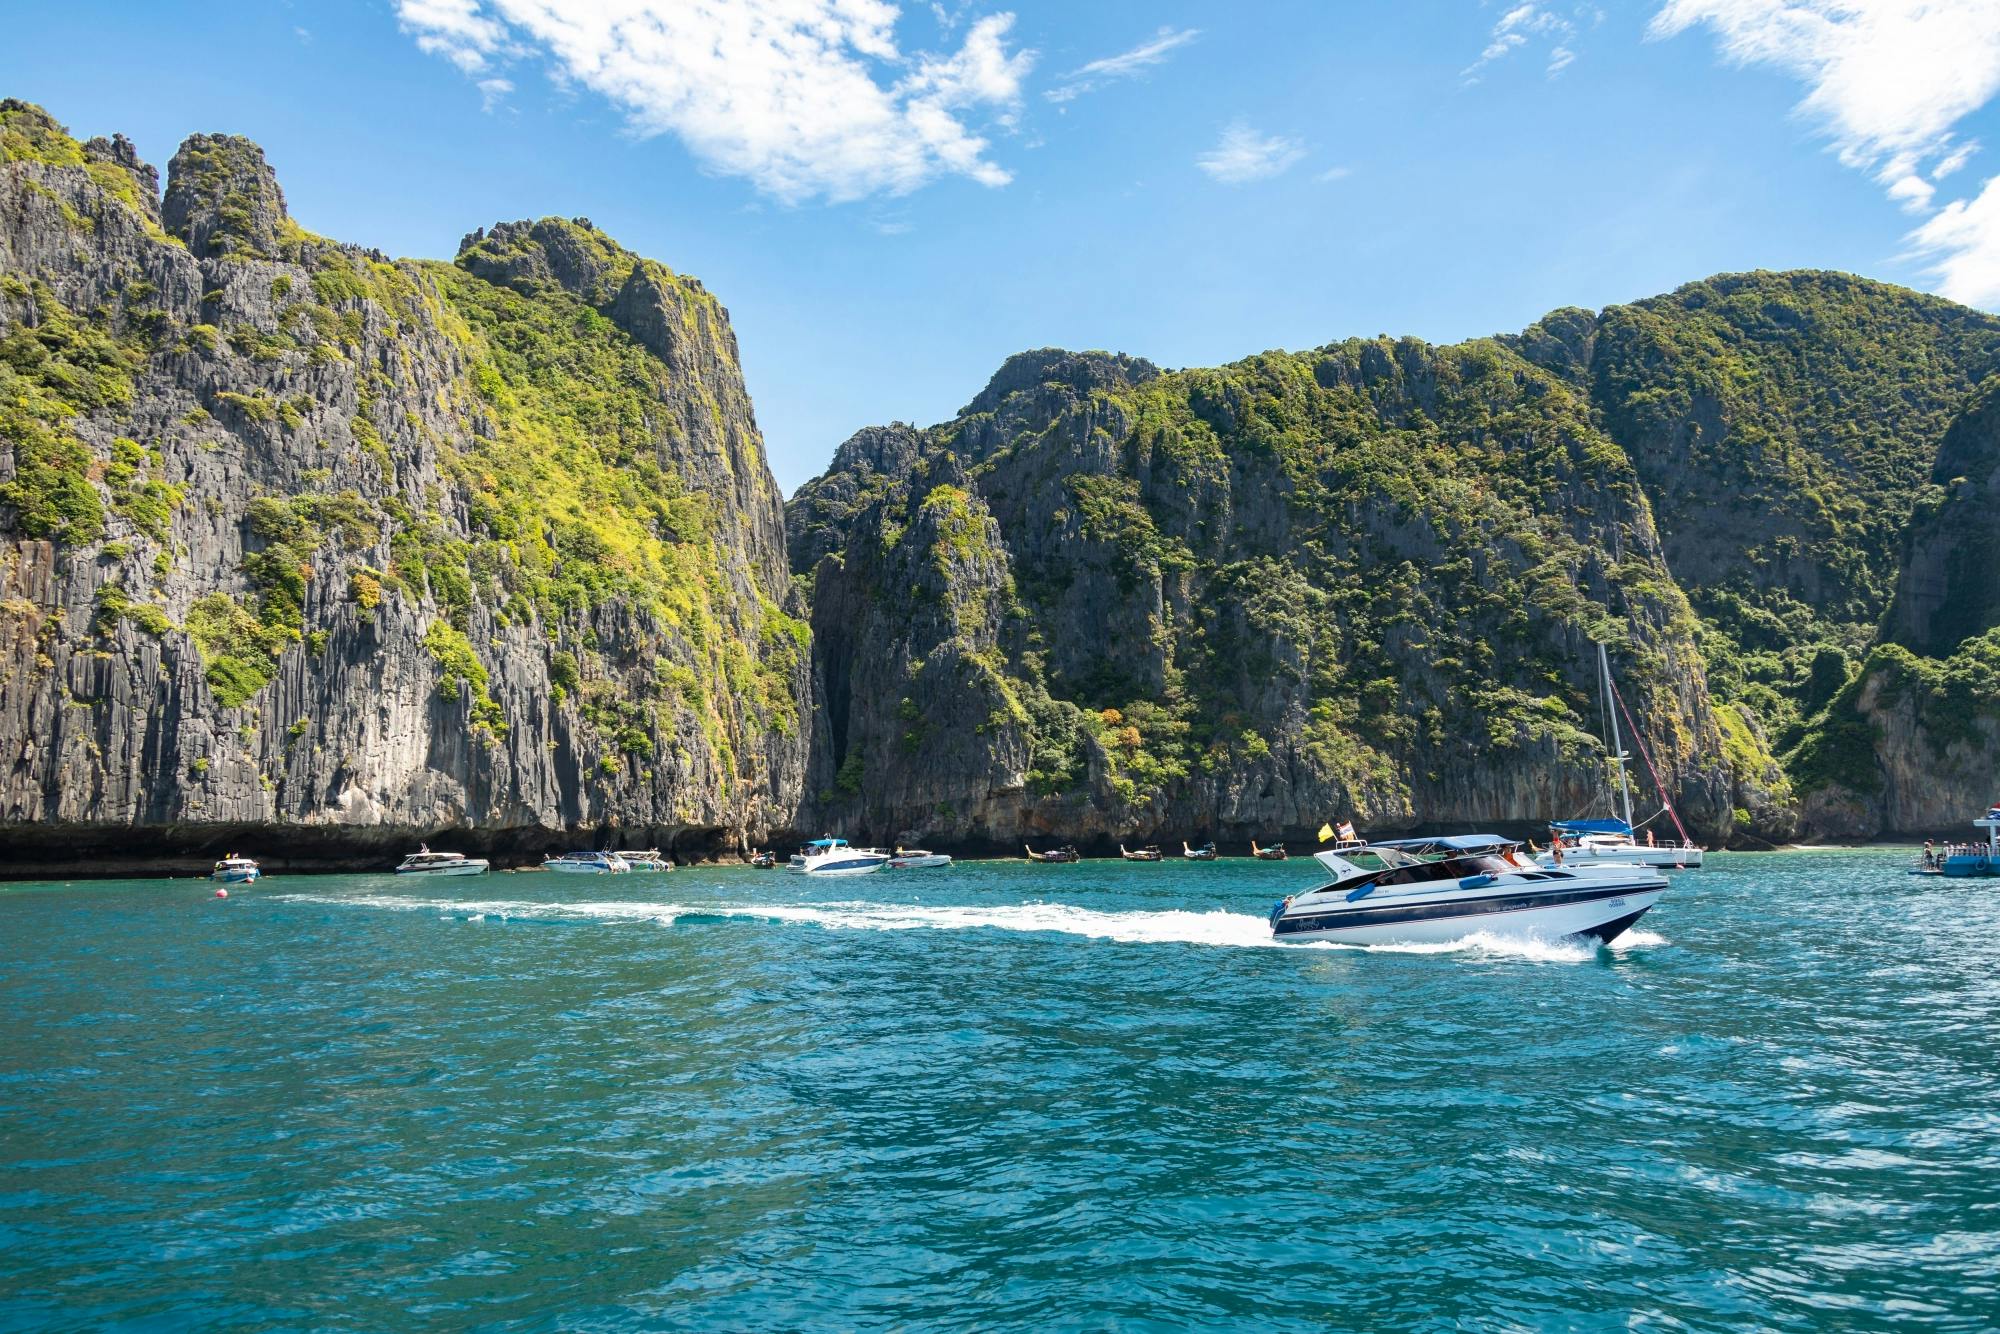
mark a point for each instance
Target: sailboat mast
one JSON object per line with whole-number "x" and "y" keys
{"x": 1617, "y": 742}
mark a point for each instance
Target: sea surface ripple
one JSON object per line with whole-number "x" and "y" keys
{"x": 998, "y": 1096}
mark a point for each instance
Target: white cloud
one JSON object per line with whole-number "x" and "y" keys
{"x": 1124, "y": 65}
{"x": 493, "y": 91}
{"x": 805, "y": 98}
{"x": 1332, "y": 174}
{"x": 1963, "y": 239}
{"x": 1242, "y": 155}
{"x": 1888, "y": 81}
{"x": 454, "y": 29}
{"x": 1521, "y": 23}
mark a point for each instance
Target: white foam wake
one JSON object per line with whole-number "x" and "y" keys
{"x": 1216, "y": 927}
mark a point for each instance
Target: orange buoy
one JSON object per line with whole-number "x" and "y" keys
{"x": 222, "y": 893}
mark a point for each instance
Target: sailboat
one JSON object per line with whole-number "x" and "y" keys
{"x": 1612, "y": 842}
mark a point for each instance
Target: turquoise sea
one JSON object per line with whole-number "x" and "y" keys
{"x": 997, "y": 1096}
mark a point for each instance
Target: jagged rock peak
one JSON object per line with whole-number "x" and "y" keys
{"x": 529, "y": 256}
{"x": 1081, "y": 371}
{"x": 223, "y": 198}
{"x": 118, "y": 151}
{"x": 891, "y": 450}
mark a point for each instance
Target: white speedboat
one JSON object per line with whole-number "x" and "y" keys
{"x": 1432, "y": 890}
{"x": 234, "y": 870}
{"x": 1610, "y": 842}
{"x": 427, "y": 862}
{"x": 649, "y": 860}
{"x": 916, "y": 859}
{"x": 843, "y": 860}
{"x": 587, "y": 863}
{"x": 818, "y": 847}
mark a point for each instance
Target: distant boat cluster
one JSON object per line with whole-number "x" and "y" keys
{"x": 830, "y": 856}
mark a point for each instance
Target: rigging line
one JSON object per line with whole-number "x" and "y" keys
{"x": 1639, "y": 740}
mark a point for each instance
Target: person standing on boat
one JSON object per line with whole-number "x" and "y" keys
{"x": 1649, "y": 838}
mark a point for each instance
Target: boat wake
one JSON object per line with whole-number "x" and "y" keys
{"x": 1216, "y": 927}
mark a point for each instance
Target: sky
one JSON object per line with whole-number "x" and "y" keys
{"x": 893, "y": 198}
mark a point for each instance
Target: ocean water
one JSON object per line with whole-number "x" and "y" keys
{"x": 997, "y": 1096}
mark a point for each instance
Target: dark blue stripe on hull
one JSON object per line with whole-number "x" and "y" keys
{"x": 1467, "y": 908}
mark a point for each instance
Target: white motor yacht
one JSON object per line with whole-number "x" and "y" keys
{"x": 587, "y": 863}
{"x": 427, "y": 862}
{"x": 916, "y": 859}
{"x": 818, "y": 847}
{"x": 1431, "y": 890}
{"x": 649, "y": 860}
{"x": 234, "y": 870}
{"x": 840, "y": 859}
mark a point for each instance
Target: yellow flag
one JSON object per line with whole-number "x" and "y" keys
{"x": 1326, "y": 833}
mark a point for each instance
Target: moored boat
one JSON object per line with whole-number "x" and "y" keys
{"x": 235, "y": 870}
{"x": 426, "y": 862}
{"x": 916, "y": 859}
{"x": 765, "y": 861}
{"x": 587, "y": 863}
{"x": 1275, "y": 853}
{"x": 1149, "y": 853}
{"x": 1967, "y": 861}
{"x": 649, "y": 860}
{"x": 1205, "y": 853}
{"x": 1432, "y": 890}
{"x": 1062, "y": 854}
{"x": 1611, "y": 842}
{"x": 814, "y": 848}
{"x": 840, "y": 859}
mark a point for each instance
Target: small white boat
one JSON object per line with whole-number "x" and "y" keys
{"x": 649, "y": 860}
{"x": 818, "y": 847}
{"x": 1433, "y": 890}
{"x": 1205, "y": 853}
{"x": 427, "y": 862}
{"x": 234, "y": 870}
{"x": 916, "y": 859}
{"x": 844, "y": 860}
{"x": 587, "y": 863}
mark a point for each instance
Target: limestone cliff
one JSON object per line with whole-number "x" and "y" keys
{"x": 295, "y": 535}
{"x": 1110, "y": 603}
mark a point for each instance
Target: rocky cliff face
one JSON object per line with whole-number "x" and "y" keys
{"x": 1110, "y": 603}
{"x": 1364, "y": 580}
{"x": 292, "y": 534}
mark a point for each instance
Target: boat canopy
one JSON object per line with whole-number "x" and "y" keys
{"x": 1447, "y": 843}
{"x": 827, "y": 843}
{"x": 1591, "y": 827}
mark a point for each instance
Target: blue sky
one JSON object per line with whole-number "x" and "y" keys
{"x": 891, "y": 199}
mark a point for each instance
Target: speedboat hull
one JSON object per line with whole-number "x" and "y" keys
{"x": 1602, "y": 913}
{"x": 844, "y": 866}
{"x": 236, "y": 875}
{"x": 456, "y": 868}
{"x": 918, "y": 863}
